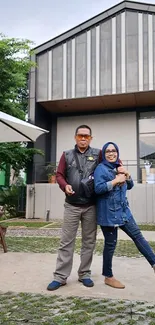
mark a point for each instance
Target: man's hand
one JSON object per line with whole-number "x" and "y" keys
{"x": 69, "y": 190}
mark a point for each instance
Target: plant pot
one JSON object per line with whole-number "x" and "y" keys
{"x": 52, "y": 179}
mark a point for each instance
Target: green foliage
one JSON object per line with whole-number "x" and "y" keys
{"x": 16, "y": 155}
{"x": 9, "y": 200}
{"x": 51, "y": 169}
{"x": 15, "y": 65}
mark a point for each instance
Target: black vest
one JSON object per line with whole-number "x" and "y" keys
{"x": 88, "y": 162}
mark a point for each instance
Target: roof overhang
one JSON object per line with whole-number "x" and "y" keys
{"x": 101, "y": 103}
{"x": 124, "y": 5}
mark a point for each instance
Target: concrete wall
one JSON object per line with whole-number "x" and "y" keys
{"x": 50, "y": 197}
{"x": 117, "y": 127}
{"x": 114, "y": 56}
{"x": 44, "y": 197}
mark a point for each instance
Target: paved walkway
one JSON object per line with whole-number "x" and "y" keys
{"x": 31, "y": 272}
{"x": 149, "y": 235}
{"x": 24, "y": 232}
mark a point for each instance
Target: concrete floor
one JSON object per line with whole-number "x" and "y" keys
{"x": 31, "y": 272}
{"x": 149, "y": 235}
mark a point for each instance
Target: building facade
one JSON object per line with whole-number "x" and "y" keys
{"x": 100, "y": 73}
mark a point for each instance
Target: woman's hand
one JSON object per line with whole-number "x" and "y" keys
{"x": 122, "y": 170}
{"x": 119, "y": 179}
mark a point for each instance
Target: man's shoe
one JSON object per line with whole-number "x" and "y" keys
{"x": 87, "y": 282}
{"x": 54, "y": 285}
{"x": 112, "y": 282}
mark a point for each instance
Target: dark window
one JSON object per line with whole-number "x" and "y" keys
{"x": 147, "y": 146}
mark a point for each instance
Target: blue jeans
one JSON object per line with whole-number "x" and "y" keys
{"x": 133, "y": 231}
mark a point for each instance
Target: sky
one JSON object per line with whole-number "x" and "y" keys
{"x": 42, "y": 20}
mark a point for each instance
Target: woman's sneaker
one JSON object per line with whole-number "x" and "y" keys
{"x": 112, "y": 282}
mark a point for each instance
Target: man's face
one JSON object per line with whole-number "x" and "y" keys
{"x": 83, "y": 138}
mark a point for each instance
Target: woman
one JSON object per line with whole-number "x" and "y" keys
{"x": 111, "y": 183}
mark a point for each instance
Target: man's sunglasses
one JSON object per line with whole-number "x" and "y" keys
{"x": 83, "y": 136}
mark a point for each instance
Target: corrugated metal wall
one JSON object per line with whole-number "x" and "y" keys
{"x": 116, "y": 56}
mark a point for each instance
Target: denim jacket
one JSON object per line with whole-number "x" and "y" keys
{"x": 112, "y": 204}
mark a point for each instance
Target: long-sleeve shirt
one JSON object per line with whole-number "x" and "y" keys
{"x": 61, "y": 171}
{"x": 60, "y": 175}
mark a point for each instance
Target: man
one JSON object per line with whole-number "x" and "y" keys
{"x": 75, "y": 165}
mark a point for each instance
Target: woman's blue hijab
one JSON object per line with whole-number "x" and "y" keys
{"x": 107, "y": 163}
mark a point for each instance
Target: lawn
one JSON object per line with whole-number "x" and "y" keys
{"x": 51, "y": 244}
{"x": 56, "y": 223}
{"x": 54, "y": 310}
{"x": 148, "y": 227}
{"x": 31, "y": 224}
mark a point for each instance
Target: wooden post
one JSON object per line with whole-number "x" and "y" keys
{"x": 2, "y": 238}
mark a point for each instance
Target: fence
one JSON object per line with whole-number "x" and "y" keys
{"x": 42, "y": 172}
{"x": 142, "y": 171}
{"x": 46, "y": 201}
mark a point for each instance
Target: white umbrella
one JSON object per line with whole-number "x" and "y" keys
{"x": 13, "y": 129}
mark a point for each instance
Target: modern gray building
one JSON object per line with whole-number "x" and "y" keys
{"x": 100, "y": 73}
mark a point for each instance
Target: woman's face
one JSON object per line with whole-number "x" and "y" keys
{"x": 111, "y": 153}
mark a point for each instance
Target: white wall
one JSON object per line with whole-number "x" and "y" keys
{"x": 50, "y": 197}
{"x": 116, "y": 127}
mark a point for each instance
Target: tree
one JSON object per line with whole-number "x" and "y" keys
{"x": 15, "y": 65}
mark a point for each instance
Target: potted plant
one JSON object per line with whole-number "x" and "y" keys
{"x": 51, "y": 173}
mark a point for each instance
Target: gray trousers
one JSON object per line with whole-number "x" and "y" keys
{"x": 72, "y": 217}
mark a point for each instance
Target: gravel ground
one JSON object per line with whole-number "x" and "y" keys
{"x": 29, "y": 232}
{"x": 33, "y": 309}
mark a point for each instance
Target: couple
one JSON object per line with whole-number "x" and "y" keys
{"x": 111, "y": 181}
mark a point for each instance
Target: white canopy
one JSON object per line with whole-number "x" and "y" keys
{"x": 13, "y": 129}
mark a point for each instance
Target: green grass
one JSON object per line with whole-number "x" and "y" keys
{"x": 148, "y": 227}
{"x": 32, "y": 244}
{"x": 51, "y": 244}
{"x": 56, "y": 224}
{"x": 38, "y": 309}
{"x": 31, "y": 224}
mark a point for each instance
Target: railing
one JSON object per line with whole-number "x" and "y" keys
{"x": 43, "y": 171}
{"x": 141, "y": 172}
{"x": 43, "y": 198}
